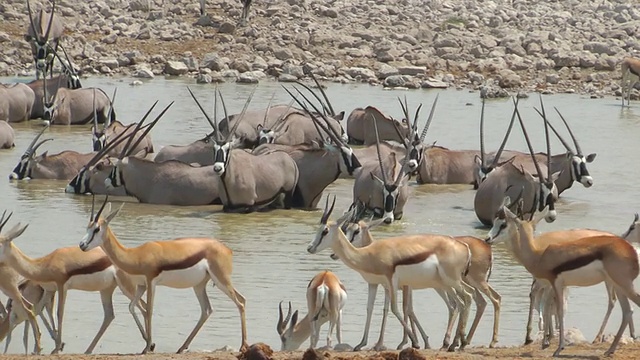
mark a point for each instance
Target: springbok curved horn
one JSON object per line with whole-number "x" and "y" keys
{"x": 241, "y": 116}
{"x": 138, "y": 126}
{"x": 35, "y": 140}
{"x": 4, "y": 221}
{"x": 282, "y": 323}
{"x": 106, "y": 199}
{"x": 327, "y": 210}
{"x": 575, "y": 141}
{"x": 526, "y": 137}
{"x": 375, "y": 127}
{"x": 53, "y": 10}
{"x": 482, "y": 149}
{"x": 496, "y": 159}
{"x": 147, "y": 130}
{"x": 426, "y": 126}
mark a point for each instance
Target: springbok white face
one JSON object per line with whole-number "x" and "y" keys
{"x": 97, "y": 227}
{"x": 499, "y": 231}
{"x": 324, "y": 238}
{"x": 579, "y": 171}
{"x": 632, "y": 234}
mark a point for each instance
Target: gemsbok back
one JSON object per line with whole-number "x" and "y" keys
{"x": 76, "y": 106}
{"x": 16, "y": 102}
{"x": 188, "y": 262}
{"x": 7, "y": 135}
{"x": 326, "y": 296}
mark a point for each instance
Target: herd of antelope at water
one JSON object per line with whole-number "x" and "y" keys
{"x": 284, "y": 157}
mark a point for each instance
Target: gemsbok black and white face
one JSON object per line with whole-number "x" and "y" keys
{"x": 115, "y": 179}
{"x": 579, "y": 171}
{"x": 221, "y": 151}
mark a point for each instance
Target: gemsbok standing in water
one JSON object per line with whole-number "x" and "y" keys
{"x": 188, "y": 262}
{"x": 43, "y": 34}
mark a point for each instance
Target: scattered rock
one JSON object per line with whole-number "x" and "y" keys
{"x": 411, "y": 354}
{"x": 175, "y": 68}
{"x": 259, "y": 351}
{"x": 434, "y": 84}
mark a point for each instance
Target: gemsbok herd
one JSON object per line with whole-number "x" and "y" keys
{"x": 285, "y": 156}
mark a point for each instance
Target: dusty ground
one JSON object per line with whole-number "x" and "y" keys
{"x": 583, "y": 351}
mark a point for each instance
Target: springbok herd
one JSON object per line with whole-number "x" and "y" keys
{"x": 284, "y": 157}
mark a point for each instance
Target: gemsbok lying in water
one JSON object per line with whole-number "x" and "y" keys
{"x": 509, "y": 178}
{"x": 62, "y": 166}
{"x": 43, "y": 34}
{"x": 170, "y": 183}
{"x": 248, "y": 182}
{"x": 326, "y": 296}
{"x": 382, "y": 187}
{"x": 111, "y": 129}
{"x": 16, "y": 102}
{"x": 585, "y": 261}
{"x": 7, "y": 135}
{"x": 360, "y": 131}
{"x": 76, "y": 106}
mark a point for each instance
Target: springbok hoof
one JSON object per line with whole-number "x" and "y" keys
{"x": 451, "y": 348}
{"x": 528, "y": 341}
{"x": 379, "y": 347}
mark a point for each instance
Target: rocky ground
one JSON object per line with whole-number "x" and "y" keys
{"x": 508, "y": 45}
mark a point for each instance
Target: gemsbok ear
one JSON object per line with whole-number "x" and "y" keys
{"x": 506, "y": 202}
{"x": 377, "y": 178}
{"x": 591, "y": 157}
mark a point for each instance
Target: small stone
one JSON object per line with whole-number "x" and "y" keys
{"x": 110, "y": 39}
{"x": 110, "y": 63}
{"x": 135, "y": 83}
{"x": 394, "y": 81}
{"x": 387, "y": 70}
{"x": 412, "y": 70}
{"x": 203, "y": 79}
{"x": 144, "y": 73}
{"x": 287, "y": 78}
{"x": 283, "y": 54}
{"x": 247, "y": 78}
{"x": 434, "y": 84}
{"x": 552, "y": 79}
{"x": 227, "y": 28}
{"x": 175, "y": 68}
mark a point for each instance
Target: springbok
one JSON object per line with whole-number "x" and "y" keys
{"x": 76, "y": 106}
{"x": 179, "y": 263}
{"x": 42, "y": 301}
{"x": 359, "y": 234}
{"x": 9, "y": 281}
{"x": 7, "y": 135}
{"x": 248, "y": 182}
{"x": 16, "y": 102}
{"x": 582, "y": 262}
{"x": 630, "y": 76}
{"x": 509, "y": 178}
{"x": 412, "y": 261}
{"x": 382, "y": 187}
{"x": 359, "y": 129}
{"x": 66, "y": 269}
{"x": 326, "y": 296}
{"x": 44, "y": 33}
{"x": 61, "y": 166}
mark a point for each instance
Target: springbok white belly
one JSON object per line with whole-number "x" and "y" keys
{"x": 184, "y": 278}
{"x": 588, "y": 275}
{"x": 93, "y": 282}
{"x": 421, "y": 275}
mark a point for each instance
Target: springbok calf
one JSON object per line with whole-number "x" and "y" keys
{"x": 36, "y": 295}
{"x": 630, "y": 76}
{"x": 412, "y": 261}
{"x": 179, "y": 263}
{"x": 67, "y": 269}
{"x": 44, "y": 33}
{"x": 326, "y": 296}
{"x": 16, "y": 102}
{"x": 76, "y": 106}
{"x": 382, "y": 188}
{"x": 359, "y": 234}
{"x": 61, "y": 166}
{"x": 7, "y": 135}
{"x": 509, "y": 178}
{"x": 359, "y": 129}
{"x": 583, "y": 262}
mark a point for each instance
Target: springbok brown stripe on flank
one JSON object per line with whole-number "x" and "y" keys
{"x": 98, "y": 265}
{"x": 577, "y": 263}
{"x": 414, "y": 259}
{"x": 184, "y": 263}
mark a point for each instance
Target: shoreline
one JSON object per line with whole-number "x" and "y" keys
{"x": 508, "y": 48}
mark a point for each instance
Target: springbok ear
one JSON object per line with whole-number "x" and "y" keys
{"x": 294, "y": 319}
{"x": 377, "y": 179}
{"x": 520, "y": 207}
{"x": 591, "y": 157}
{"x": 16, "y": 231}
{"x": 112, "y": 214}
{"x": 510, "y": 214}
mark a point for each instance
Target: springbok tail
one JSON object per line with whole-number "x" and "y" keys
{"x": 322, "y": 295}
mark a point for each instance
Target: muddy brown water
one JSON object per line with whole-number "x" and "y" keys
{"x": 270, "y": 259}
